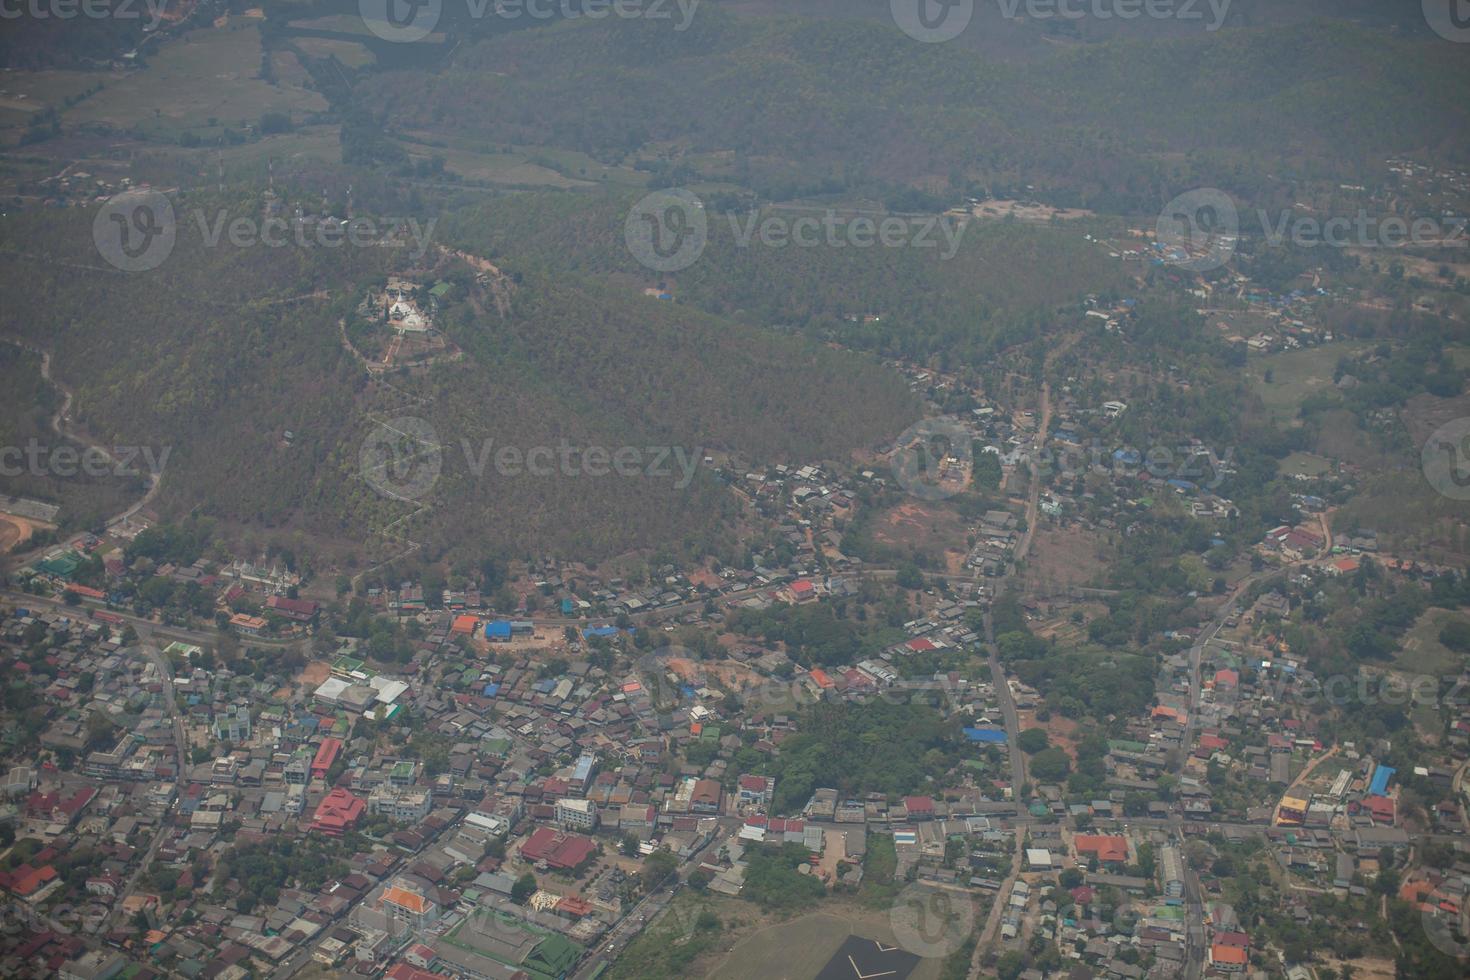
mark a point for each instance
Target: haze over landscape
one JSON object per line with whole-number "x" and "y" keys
{"x": 538, "y": 489}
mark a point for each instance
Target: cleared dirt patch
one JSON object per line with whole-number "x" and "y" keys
{"x": 919, "y": 526}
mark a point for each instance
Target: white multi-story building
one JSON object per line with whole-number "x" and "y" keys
{"x": 576, "y": 814}
{"x": 400, "y": 806}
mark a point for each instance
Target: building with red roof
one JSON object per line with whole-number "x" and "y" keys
{"x": 557, "y": 849}
{"x": 403, "y": 971}
{"x": 326, "y": 754}
{"x": 1107, "y": 848}
{"x": 1380, "y": 808}
{"x": 1228, "y": 959}
{"x": 337, "y": 813}
{"x": 25, "y": 880}
{"x": 919, "y": 807}
{"x": 56, "y": 808}
{"x": 296, "y": 610}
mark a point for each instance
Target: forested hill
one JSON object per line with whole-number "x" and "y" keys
{"x": 797, "y": 102}
{"x": 222, "y": 350}
{"x": 959, "y": 299}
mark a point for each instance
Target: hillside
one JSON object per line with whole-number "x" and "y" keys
{"x": 784, "y": 104}
{"x": 222, "y": 350}
{"x": 961, "y": 306}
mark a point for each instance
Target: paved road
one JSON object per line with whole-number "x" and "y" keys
{"x": 170, "y": 708}
{"x": 140, "y": 625}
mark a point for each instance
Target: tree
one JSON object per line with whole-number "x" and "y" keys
{"x": 1033, "y": 740}
{"x": 523, "y": 889}
{"x": 1050, "y": 766}
{"x": 630, "y": 844}
{"x": 1010, "y": 964}
{"x": 657, "y": 868}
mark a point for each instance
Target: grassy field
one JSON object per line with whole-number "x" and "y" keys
{"x": 797, "y": 950}
{"x": 1306, "y": 464}
{"x": 1295, "y": 375}
{"x": 350, "y": 54}
{"x": 210, "y": 74}
{"x": 522, "y": 166}
{"x": 1422, "y": 652}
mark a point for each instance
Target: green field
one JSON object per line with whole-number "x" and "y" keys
{"x": 800, "y": 948}
{"x": 1306, "y": 464}
{"x": 1295, "y": 376}
{"x": 1422, "y": 653}
{"x": 521, "y": 166}
{"x": 210, "y": 74}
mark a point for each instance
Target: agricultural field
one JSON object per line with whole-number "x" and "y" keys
{"x": 801, "y": 947}
{"x": 209, "y": 78}
{"x": 1422, "y": 653}
{"x": 1295, "y": 376}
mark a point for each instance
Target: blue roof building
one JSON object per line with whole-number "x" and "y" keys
{"x": 1381, "y": 776}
